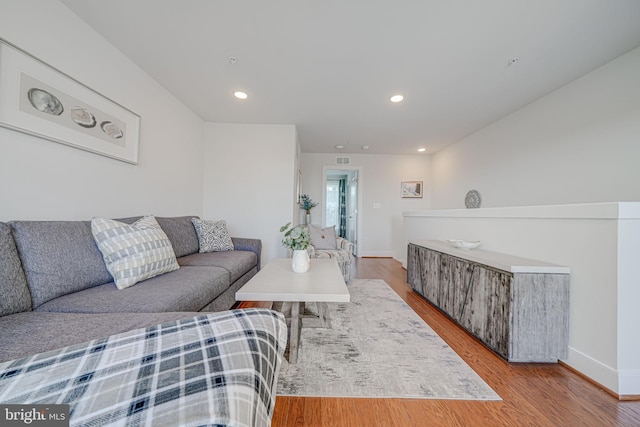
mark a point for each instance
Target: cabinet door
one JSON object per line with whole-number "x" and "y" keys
{"x": 423, "y": 272}
{"x": 498, "y": 299}
{"x": 431, "y": 274}
{"x": 455, "y": 274}
{"x": 432, "y": 279}
{"x": 414, "y": 276}
{"x": 485, "y": 307}
{"x": 472, "y": 303}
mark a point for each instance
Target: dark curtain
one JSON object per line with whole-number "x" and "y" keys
{"x": 342, "y": 209}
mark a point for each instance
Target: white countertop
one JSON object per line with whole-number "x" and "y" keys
{"x": 496, "y": 260}
{"x": 604, "y": 210}
{"x": 277, "y": 282}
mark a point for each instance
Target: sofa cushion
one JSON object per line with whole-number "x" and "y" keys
{"x": 253, "y": 245}
{"x": 213, "y": 236}
{"x": 24, "y": 334}
{"x": 182, "y": 234}
{"x": 227, "y": 299}
{"x": 135, "y": 252}
{"x": 58, "y": 257}
{"x": 186, "y": 289}
{"x": 237, "y": 263}
{"x": 14, "y": 293}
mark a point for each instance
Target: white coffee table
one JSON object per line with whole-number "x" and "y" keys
{"x": 323, "y": 283}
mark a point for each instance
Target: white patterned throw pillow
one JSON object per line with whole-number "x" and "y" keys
{"x": 323, "y": 238}
{"x": 213, "y": 236}
{"x": 135, "y": 252}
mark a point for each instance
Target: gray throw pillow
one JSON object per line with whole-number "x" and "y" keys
{"x": 213, "y": 236}
{"x": 323, "y": 238}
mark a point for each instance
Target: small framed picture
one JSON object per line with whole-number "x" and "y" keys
{"x": 412, "y": 189}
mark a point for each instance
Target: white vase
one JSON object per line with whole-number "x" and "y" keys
{"x": 300, "y": 261}
{"x": 307, "y": 219}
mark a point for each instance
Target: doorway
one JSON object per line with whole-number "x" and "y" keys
{"x": 341, "y": 201}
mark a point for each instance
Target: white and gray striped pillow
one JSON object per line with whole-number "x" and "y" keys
{"x": 135, "y": 252}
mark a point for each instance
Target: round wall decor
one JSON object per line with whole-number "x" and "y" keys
{"x": 473, "y": 200}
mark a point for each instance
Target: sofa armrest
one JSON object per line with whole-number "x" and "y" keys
{"x": 341, "y": 244}
{"x": 245, "y": 244}
{"x": 344, "y": 244}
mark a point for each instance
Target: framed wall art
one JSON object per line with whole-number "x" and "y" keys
{"x": 412, "y": 189}
{"x": 40, "y": 100}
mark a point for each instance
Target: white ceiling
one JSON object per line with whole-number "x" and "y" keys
{"x": 330, "y": 66}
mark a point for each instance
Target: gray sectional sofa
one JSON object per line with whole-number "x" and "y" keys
{"x": 148, "y": 354}
{"x": 56, "y": 291}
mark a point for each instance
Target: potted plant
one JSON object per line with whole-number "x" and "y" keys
{"x": 297, "y": 239}
{"x": 307, "y": 204}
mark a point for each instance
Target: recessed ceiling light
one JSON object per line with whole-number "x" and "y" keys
{"x": 339, "y": 147}
{"x": 365, "y": 147}
{"x": 422, "y": 150}
{"x": 396, "y": 98}
{"x": 240, "y": 95}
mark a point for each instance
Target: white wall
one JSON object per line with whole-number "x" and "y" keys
{"x": 627, "y": 304}
{"x": 578, "y": 144}
{"x": 381, "y": 232}
{"x": 40, "y": 179}
{"x": 249, "y": 180}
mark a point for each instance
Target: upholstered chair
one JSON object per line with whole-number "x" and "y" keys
{"x": 325, "y": 244}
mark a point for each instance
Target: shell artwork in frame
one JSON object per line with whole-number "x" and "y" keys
{"x": 42, "y": 101}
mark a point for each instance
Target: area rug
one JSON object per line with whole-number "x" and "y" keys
{"x": 378, "y": 347}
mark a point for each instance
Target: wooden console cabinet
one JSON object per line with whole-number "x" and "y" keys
{"x": 517, "y": 307}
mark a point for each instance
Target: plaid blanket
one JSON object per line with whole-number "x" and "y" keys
{"x": 214, "y": 369}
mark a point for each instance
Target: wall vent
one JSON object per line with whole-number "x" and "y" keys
{"x": 343, "y": 160}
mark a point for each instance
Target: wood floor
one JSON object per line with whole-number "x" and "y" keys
{"x": 533, "y": 394}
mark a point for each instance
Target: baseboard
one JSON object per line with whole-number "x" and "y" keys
{"x": 629, "y": 385}
{"x": 596, "y": 371}
{"x": 624, "y": 385}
